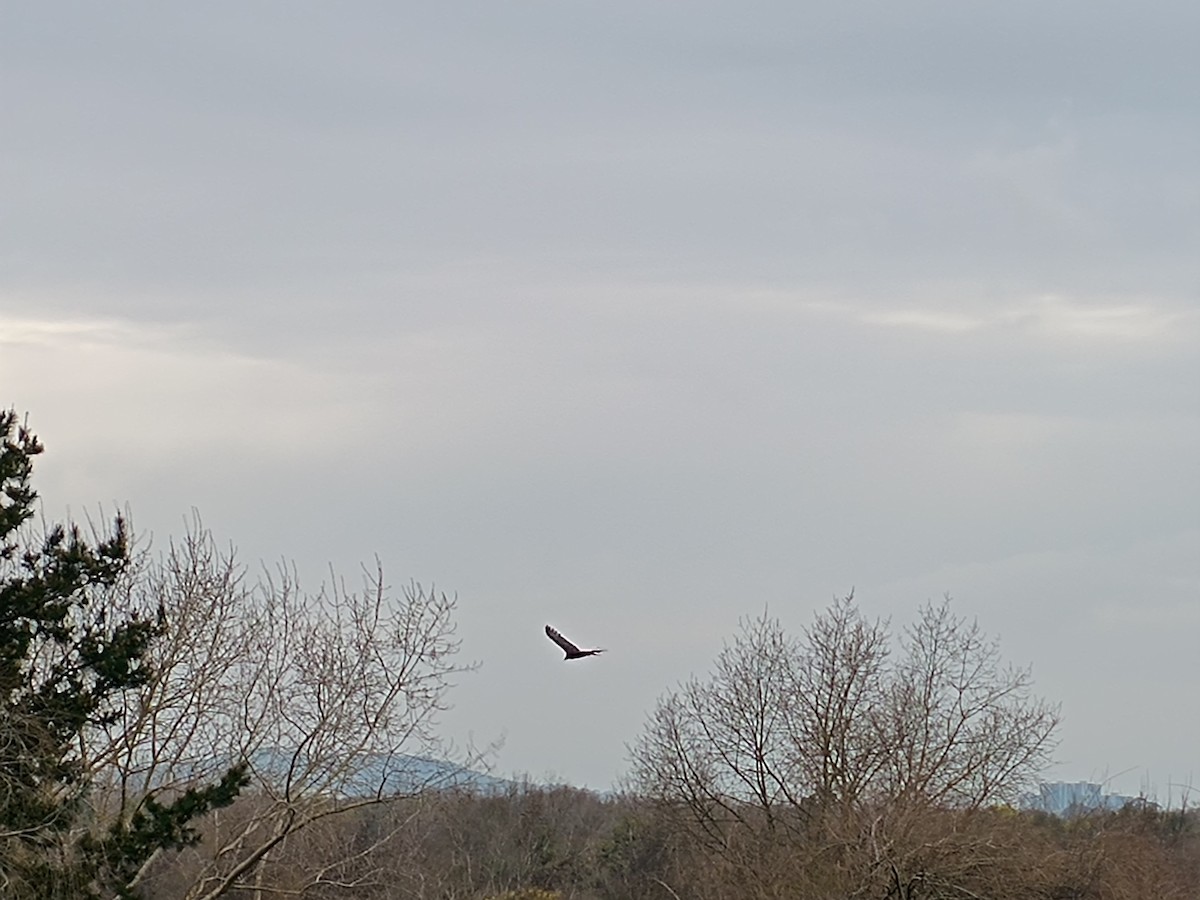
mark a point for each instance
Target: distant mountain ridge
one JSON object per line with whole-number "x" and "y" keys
{"x": 391, "y": 775}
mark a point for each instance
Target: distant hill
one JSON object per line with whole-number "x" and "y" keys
{"x": 398, "y": 774}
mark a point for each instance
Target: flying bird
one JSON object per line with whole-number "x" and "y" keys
{"x": 571, "y": 651}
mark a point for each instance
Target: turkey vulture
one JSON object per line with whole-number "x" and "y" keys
{"x": 571, "y": 651}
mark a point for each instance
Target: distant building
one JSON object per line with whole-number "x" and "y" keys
{"x": 1064, "y": 798}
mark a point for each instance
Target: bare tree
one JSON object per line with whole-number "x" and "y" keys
{"x": 837, "y": 677}
{"x": 718, "y": 746}
{"x": 962, "y": 728}
{"x": 833, "y": 748}
{"x": 328, "y": 699}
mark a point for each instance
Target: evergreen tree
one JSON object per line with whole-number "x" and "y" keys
{"x": 65, "y": 663}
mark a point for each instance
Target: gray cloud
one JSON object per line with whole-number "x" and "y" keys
{"x": 635, "y": 318}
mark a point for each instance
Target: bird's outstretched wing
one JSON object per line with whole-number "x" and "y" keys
{"x": 570, "y": 651}
{"x": 567, "y": 647}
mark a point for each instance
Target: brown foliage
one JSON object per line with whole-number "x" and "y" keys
{"x": 539, "y": 842}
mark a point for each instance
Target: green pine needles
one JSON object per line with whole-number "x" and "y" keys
{"x": 66, "y": 664}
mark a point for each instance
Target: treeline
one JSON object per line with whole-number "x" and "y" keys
{"x": 172, "y": 729}
{"x": 537, "y": 843}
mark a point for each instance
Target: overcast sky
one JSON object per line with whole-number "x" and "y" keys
{"x": 637, "y": 318}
